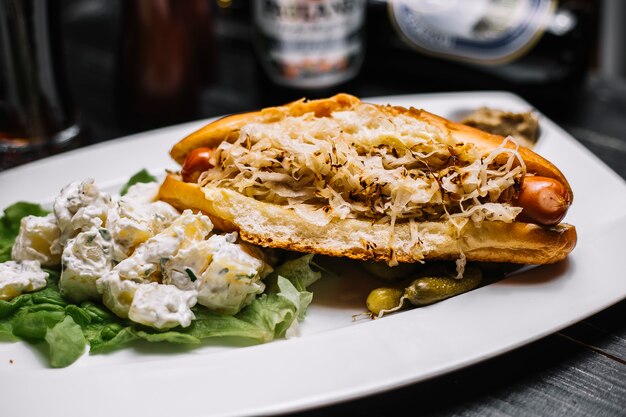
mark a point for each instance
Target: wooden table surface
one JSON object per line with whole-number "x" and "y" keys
{"x": 579, "y": 371}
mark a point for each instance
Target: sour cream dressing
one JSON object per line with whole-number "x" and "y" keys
{"x": 18, "y": 277}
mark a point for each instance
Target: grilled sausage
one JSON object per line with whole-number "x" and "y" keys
{"x": 543, "y": 200}
{"x": 198, "y": 161}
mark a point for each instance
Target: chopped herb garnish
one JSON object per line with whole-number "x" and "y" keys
{"x": 105, "y": 234}
{"x": 192, "y": 276}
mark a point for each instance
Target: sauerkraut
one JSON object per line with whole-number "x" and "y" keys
{"x": 364, "y": 163}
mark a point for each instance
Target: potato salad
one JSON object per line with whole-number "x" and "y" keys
{"x": 139, "y": 256}
{"x": 150, "y": 265}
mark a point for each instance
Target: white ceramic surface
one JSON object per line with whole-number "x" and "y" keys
{"x": 336, "y": 358}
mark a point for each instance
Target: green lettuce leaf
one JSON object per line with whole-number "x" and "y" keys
{"x": 141, "y": 176}
{"x": 298, "y": 271}
{"x": 97, "y": 313}
{"x": 80, "y": 315}
{"x": 209, "y": 324}
{"x": 32, "y": 324}
{"x": 48, "y": 316}
{"x": 276, "y": 312}
{"x": 51, "y": 293}
{"x": 104, "y": 337}
{"x": 171, "y": 336}
{"x": 9, "y": 307}
{"x": 300, "y": 298}
{"x": 6, "y": 330}
{"x": 66, "y": 341}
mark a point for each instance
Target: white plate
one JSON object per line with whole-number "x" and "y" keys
{"x": 336, "y": 358}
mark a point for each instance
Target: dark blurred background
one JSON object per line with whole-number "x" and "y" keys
{"x": 134, "y": 65}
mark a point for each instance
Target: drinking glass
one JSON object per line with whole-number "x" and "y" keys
{"x": 36, "y": 110}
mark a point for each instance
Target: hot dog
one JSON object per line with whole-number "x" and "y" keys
{"x": 197, "y": 162}
{"x": 543, "y": 200}
{"x": 345, "y": 178}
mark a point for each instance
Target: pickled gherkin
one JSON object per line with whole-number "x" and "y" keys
{"x": 384, "y": 300}
{"x": 423, "y": 291}
{"x": 429, "y": 290}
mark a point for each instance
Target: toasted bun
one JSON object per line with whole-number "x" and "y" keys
{"x": 214, "y": 133}
{"x": 277, "y": 226}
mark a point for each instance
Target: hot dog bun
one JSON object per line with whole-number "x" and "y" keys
{"x": 280, "y": 226}
{"x": 274, "y": 226}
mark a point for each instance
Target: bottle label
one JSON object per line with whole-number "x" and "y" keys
{"x": 310, "y": 43}
{"x": 476, "y": 31}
